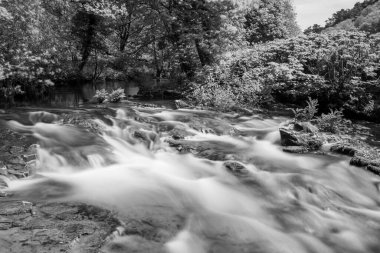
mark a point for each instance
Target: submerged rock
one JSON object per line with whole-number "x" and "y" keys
{"x": 236, "y": 168}
{"x": 295, "y": 149}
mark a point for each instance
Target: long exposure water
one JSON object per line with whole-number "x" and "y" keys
{"x": 268, "y": 201}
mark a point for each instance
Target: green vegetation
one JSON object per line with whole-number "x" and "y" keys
{"x": 339, "y": 69}
{"x": 222, "y": 54}
{"x": 307, "y": 113}
{"x": 364, "y": 16}
{"x": 115, "y": 96}
{"x": 48, "y": 41}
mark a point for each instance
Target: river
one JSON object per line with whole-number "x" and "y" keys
{"x": 205, "y": 182}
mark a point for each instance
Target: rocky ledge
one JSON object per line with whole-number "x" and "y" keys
{"x": 53, "y": 227}
{"x": 304, "y": 137}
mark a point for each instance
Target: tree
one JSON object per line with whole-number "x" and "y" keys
{"x": 314, "y": 29}
{"x": 270, "y": 19}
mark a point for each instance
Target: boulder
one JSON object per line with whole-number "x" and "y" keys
{"x": 289, "y": 138}
{"x": 359, "y": 161}
{"x": 344, "y": 150}
{"x": 293, "y": 138}
{"x": 374, "y": 169}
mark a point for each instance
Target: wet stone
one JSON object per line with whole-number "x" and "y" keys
{"x": 295, "y": 149}
{"x": 3, "y": 169}
{"x": 32, "y": 149}
{"x": 16, "y": 160}
{"x": 5, "y": 223}
{"x": 31, "y": 167}
{"x": 359, "y": 161}
{"x": 28, "y": 158}
{"x": 16, "y": 150}
{"x": 3, "y": 182}
{"x": 18, "y": 173}
{"x": 16, "y": 208}
{"x": 289, "y": 139}
{"x": 292, "y": 138}
{"x": 344, "y": 150}
{"x": 374, "y": 169}
{"x": 236, "y": 168}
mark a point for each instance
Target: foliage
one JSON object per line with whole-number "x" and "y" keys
{"x": 314, "y": 29}
{"x": 267, "y": 20}
{"x": 345, "y": 14}
{"x": 101, "y": 96}
{"x": 228, "y": 85}
{"x": 332, "y": 122}
{"x": 340, "y": 70}
{"x": 115, "y": 96}
{"x": 307, "y": 113}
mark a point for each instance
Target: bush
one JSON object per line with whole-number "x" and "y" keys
{"x": 116, "y": 95}
{"x": 227, "y": 85}
{"x": 307, "y": 113}
{"x": 332, "y": 122}
{"x": 102, "y": 96}
{"x": 340, "y": 69}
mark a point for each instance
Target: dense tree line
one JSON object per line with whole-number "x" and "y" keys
{"x": 340, "y": 69}
{"x": 46, "y": 41}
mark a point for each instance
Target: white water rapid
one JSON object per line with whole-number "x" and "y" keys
{"x": 141, "y": 168}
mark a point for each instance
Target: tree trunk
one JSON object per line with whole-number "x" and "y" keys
{"x": 205, "y": 57}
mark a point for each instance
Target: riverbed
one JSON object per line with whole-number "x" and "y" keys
{"x": 138, "y": 178}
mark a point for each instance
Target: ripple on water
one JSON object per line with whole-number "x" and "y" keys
{"x": 190, "y": 202}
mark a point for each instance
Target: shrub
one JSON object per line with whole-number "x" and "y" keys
{"x": 308, "y": 112}
{"x": 332, "y": 122}
{"x": 101, "y": 96}
{"x": 213, "y": 95}
{"x": 227, "y": 85}
{"x": 340, "y": 69}
{"x": 116, "y": 95}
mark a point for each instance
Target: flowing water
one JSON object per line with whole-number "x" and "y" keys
{"x": 275, "y": 202}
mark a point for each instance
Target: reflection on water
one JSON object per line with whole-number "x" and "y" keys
{"x": 74, "y": 95}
